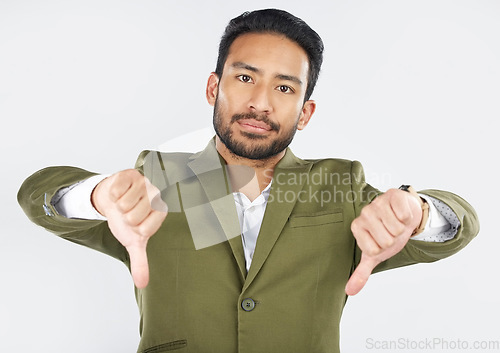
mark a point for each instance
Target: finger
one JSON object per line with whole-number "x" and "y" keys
{"x": 400, "y": 206}
{"x": 132, "y": 196}
{"x": 139, "y": 265}
{"x": 416, "y": 212}
{"x": 120, "y": 184}
{"x": 360, "y": 275}
{"x": 139, "y": 213}
{"x": 138, "y": 256}
{"x": 371, "y": 227}
{"x": 383, "y": 210}
{"x": 392, "y": 224}
{"x": 364, "y": 239}
{"x": 151, "y": 224}
{"x": 380, "y": 235}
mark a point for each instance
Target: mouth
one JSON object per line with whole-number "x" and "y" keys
{"x": 254, "y": 126}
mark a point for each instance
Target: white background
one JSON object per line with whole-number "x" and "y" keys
{"x": 410, "y": 88}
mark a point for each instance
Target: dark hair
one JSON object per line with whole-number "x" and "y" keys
{"x": 280, "y": 22}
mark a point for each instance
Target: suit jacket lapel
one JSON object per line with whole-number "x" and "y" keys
{"x": 285, "y": 189}
{"x": 209, "y": 169}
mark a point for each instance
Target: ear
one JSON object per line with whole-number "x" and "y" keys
{"x": 307, "y": 111}
{"x": 212, "y": 88}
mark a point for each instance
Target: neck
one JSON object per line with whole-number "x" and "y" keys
{"x": 248, "y": 176}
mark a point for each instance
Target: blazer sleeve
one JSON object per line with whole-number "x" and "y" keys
{"x": 35, "y": 197}
{"x": 417, "y": 251}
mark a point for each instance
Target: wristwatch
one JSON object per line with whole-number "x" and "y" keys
{"x": 423, "y": 204}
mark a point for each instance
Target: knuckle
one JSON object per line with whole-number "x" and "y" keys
{"x": 394, "y": 192}
{"x": 388, "y": 242}
{"x": 372, "y": 251}
{"x": 132, "y": 173}
{"x": 378, "y": 199}
{"x": 381, "y": 198}
{"x": 128, "y": 176}
{"x": 122, "y": 205}
{"x": 366, "y": 211}
{"x": 399, "y": 229}
{"x": 369, "y": 212}
{"x": 144, "y": 230}
{"x": 355, "y": 227}
{"x": 115, "y": 190}
{"x": 130, "y": 218}
{"x": 121, "y": 177}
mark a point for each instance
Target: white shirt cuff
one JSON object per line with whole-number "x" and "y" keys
{"x": 439, "y": 228}
{"x": 74, "y": 201}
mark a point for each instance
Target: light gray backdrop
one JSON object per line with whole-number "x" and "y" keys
{"x": 92, "y": 83}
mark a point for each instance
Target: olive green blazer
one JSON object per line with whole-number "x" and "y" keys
{"x": 200, "y": 297}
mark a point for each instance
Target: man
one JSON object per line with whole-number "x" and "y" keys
{"x": 260, "y": 248}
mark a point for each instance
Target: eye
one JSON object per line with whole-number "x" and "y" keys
{"x": 285, "y": 89}
{"x": 244, "y": 78}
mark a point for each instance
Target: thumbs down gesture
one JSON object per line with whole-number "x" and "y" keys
{"x": 381, "y": 231}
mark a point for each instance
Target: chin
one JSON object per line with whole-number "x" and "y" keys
{"x": 254, "y": 137}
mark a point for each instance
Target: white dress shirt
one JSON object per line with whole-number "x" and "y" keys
{"x": 250, "y": 214}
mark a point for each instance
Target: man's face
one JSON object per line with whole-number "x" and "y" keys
{"x": 259, "y": 100}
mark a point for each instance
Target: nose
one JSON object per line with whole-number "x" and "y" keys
{"x": 260, "y": 100}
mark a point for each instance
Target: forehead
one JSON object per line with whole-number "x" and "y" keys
{"x": 269, "y": 52}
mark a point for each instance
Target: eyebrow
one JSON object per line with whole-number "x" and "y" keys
{"x": 290, "y": 78}
{"x": 242, "y": 65}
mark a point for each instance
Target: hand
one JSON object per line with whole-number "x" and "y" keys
{"x": 381, "y": 231}
{"x": 135, "y": 211}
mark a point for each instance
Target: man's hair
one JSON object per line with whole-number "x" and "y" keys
{"x": 279, "y": 22}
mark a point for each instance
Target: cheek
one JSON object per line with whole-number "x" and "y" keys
{"x": 293, "y": 115}
{"x": 225, "y": 101}
{"x": 291, "y": 104}
{"x": 235, "y": 96}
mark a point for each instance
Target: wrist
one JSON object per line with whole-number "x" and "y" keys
{"x": 95, "y": 197}
{"x": 423, "y": 205}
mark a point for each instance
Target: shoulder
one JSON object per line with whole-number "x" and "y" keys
{"x": 171, "y": 158}
{"x": 335, "y": 165}
{"x": 164, "y": 168}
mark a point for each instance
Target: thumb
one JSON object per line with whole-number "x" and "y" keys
{"x": 360, "y": 275}
{"x": 139, "y": 265}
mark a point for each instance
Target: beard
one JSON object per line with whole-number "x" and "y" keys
{"x": 256, "y": 147}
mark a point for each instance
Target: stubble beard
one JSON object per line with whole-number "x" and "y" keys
{"x": 251, "y": 149}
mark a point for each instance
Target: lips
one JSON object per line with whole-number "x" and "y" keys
{"x": 254, "y": 125}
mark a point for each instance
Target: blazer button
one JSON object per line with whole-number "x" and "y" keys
{"x": 248, "y": 304}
